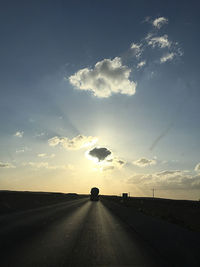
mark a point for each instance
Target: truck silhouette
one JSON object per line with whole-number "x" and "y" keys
{"x": 94, "y": 194}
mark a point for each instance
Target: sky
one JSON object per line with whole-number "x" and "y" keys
{"x": 100, "y": 93}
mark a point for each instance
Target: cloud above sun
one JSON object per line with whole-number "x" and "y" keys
{"x": 100, "y": 153}
{"x": 103, "y": 157}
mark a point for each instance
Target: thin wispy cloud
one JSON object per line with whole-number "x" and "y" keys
{"x": 159, "y": 22}
{"x": 141, "y": 64}
{"x": 167, "y": 57}
{"x": 137, "y": 49}
{"x": 159, "y": 41}
{"x": 161, "y": 136}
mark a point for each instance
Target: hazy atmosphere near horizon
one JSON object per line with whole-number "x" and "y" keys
{"x": 100, "y": 93}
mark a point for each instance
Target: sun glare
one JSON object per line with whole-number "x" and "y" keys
{"x": 93, "y": 159}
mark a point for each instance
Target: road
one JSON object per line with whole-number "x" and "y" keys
{"x": 75, "y": 233}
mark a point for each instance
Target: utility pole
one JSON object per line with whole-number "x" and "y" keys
{"x": 153, "y": 191}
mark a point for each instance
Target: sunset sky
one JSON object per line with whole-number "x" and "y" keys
{"x": 100, "y": 93}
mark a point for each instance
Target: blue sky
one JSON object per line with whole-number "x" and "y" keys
{"x": 120, "y": 75}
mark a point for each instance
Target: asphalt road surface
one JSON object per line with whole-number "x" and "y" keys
{"x": 75, "y": 233}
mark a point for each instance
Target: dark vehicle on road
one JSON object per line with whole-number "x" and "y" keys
{"x": 94, "y": 194}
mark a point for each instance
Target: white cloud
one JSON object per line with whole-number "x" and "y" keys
{"x": 75, "y": 143}
{"x": 141, "y": 64}
{"x": 159, "y": 22}
{"x": 160, "y": 41}
{"x": 6, "y": 165}
{"x": 19, "y": 134}
{"x": 143, "y": 162}
{"x": 107, "y": 77}
{"x": 167, "y": 180}
{"x": 46, "y": 156}
{"x": 167, "y": 57}
{"x": 137, "y": 48}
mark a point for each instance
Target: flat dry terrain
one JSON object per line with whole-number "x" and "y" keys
{"x": 12, "y": 201}
{"x": 185, "y": 213}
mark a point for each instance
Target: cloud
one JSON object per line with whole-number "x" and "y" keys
{"x": 107, "y": 77}
{"x": 6, "y": 165}
{"x": 162, "y": 135}
{"x": 120, "y": 162}
{"x": 167, "y": 57}
{"x": 46, "y": 156}
{"x": 113, "y": 163}
{"x": 20, "y": 151}
{"x": 170, "y": 180}
{"x": 137, "y": 49}
{"x": 46, "y": 165}
{"x": 108, "y": 168}
{"x": 40, "y": 134}
{"x": 197, "y": 167}
{"x": 37, "y": 165}
{"x": 116, "y": 161}
{"x": 141, "y": 64}
{"x": 159, "y": 22}
{"x": 168, "y": 173}
{"x": 161, "y": 41}
{"x": 75, "y": 143}
{"x": 19, "y": 134}
{"x": 143, "y": 162}
{"x": 100, "y": 153}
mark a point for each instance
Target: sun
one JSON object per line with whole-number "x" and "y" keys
{"x": 93, "y": 159}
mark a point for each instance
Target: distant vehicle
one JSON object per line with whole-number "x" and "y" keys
{"x": 94, "y": 194}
